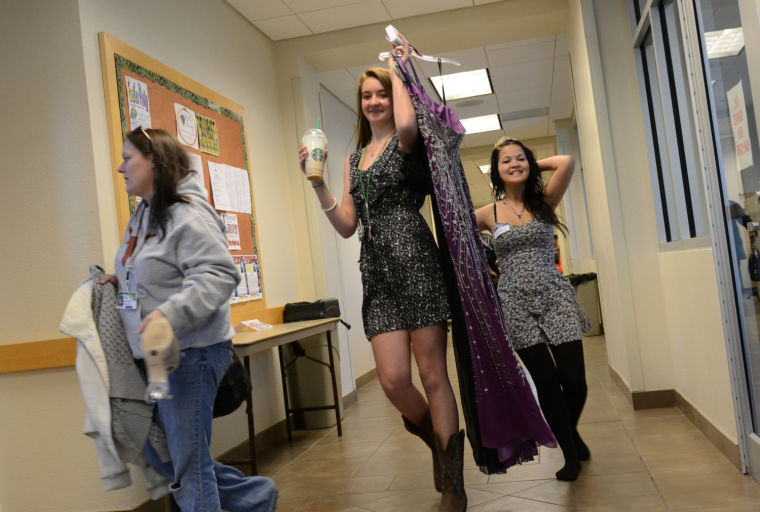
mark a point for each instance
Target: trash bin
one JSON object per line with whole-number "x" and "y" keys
{"x": 309, "y": 383}
{"x": 587, "y": 293}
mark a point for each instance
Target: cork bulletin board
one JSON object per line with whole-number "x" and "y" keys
{"x": 216, "y": 138}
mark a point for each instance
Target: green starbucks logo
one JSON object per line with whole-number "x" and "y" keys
{"x": 317, "y": 155}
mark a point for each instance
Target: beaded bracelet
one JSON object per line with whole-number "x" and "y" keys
{"x": 318, "y": 185}
{"x": 335, "y": 205}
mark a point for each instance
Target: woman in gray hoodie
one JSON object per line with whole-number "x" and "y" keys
{"x": 173, "y": 263}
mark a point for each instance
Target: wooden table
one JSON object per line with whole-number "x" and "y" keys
{"x": 249, "y": 342}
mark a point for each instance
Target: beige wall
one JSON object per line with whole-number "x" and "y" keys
{"x": 606, "y": 222}
{"x": 660, "y": 304}
{"x": 57, "y": 178}
{"x": 48, "y": 203}
{"x": 56, "y": 155}
{"x": 695, "y": 333}
{"x": 636, "y": 203}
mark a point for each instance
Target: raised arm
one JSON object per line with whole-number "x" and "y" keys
{"x": 563, "y": 166}
{"x": 403, "y": 110}
{"x": 341, "y": 215}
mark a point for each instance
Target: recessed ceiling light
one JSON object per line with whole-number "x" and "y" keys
{"x": 481, "y": 124}
{"x": 485, "y": 169}
{"x": 724, "y": 43}
{"x": 463, "y": 85}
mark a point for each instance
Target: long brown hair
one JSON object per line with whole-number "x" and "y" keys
{"x": 170, "y": 166}
{"x": 533, "y": 193}
{"x": 363, "y": 130}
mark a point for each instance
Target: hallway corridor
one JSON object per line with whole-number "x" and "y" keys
{"x": 652, "y": 460}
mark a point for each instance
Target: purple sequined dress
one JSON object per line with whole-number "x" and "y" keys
{"x": 504, "y": 422}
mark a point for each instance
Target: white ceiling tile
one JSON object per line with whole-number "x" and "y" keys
{"x": 283, "y": 27}
{"x": 300, "y": 6}
{"x": 255, "y": 10}
{"x": 359, "y": 70}
{"x": 522, "y": 42}
{"x": 524, "y": 100}
{"x": 472, "y": 58}
{"x": 406, "y": 8}
{"x": 473, "y": 107}
{"x": 527, "y": 128}
{"x": 527, "y": 79}
{"x": 526, "y": 75}
{"x": 336, "y": 18}
{"x": 514, "y": 52}
{"x": 482, "y": 139}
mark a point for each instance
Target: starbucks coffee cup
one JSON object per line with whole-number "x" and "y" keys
{"x": 316, "y": 143}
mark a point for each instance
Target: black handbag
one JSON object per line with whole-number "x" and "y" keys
{"x": 233, "y": 389}
{"x": 324, "y": 308}
{"x": 297, "y": 311}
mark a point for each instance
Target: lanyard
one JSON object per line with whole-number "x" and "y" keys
{"x": 365, "y": 189}
{"x": 128, "y": 259}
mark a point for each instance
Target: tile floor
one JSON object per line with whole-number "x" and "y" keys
{"x": 652, "y": 460}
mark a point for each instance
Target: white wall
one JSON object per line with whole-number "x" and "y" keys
{"x": 50, "y": 223}
{"x": 577, "y": 250}
{"x": 700, "y": 364}
{"x": 343, "y": 264}
{"x": 604, "y": 204}
{"x": 660, "y": 304}
{"x": 57, "y": 188}
{"x": 240, "y": 66}
{"x": 48, "y": 199}
{"x": 631, "y": 168}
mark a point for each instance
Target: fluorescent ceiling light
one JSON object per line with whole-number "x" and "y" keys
{"x": 481, "y": 124}
{"x": 463, "y": 85}
{"x": 485, "y": 169}
{"x": 724, "y": 43}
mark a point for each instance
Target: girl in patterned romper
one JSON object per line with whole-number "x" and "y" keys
{"x": 544, "y": 320}
{"x": 404, "y": 306}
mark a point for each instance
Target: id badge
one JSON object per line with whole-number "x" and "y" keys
{"x": 365, "y": 231}
{"x": 504, "y": 228}
{"x": 126, "y": 300}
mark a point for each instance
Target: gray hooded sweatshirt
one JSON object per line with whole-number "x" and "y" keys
{"x": 188, "y": 274}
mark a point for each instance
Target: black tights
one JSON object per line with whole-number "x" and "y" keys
{"x": 562, "y": 391}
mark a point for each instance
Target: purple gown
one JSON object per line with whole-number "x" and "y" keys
{"x": 504, "y": 422}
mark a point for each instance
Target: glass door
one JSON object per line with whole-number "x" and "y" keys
{"x": 731, "y": 50}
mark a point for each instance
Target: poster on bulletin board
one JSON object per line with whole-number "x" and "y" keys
{"x": 142, "y": 92}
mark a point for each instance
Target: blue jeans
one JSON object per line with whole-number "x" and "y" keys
{"x": 202, "y": 484}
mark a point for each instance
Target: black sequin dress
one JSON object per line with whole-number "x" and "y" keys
{"x": 401, "y": 275}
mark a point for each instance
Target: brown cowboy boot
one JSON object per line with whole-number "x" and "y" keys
{"x": 453, "y": 498}
{"x": 426, "y": 433}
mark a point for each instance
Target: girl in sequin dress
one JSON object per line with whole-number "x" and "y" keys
{"x": 544, "y": 321}
{"x": 404, "y": 298}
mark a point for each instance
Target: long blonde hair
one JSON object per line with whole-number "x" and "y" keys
{"x": 363, "y": 130}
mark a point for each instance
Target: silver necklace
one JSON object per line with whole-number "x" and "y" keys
{"x": 518, "y": 214}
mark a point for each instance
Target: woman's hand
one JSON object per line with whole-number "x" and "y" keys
{"x": 110, "y": 278}
{"x": 400, "y": 52}
{"x": 155, "y": 314}
{"x": 303, "y": 154}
